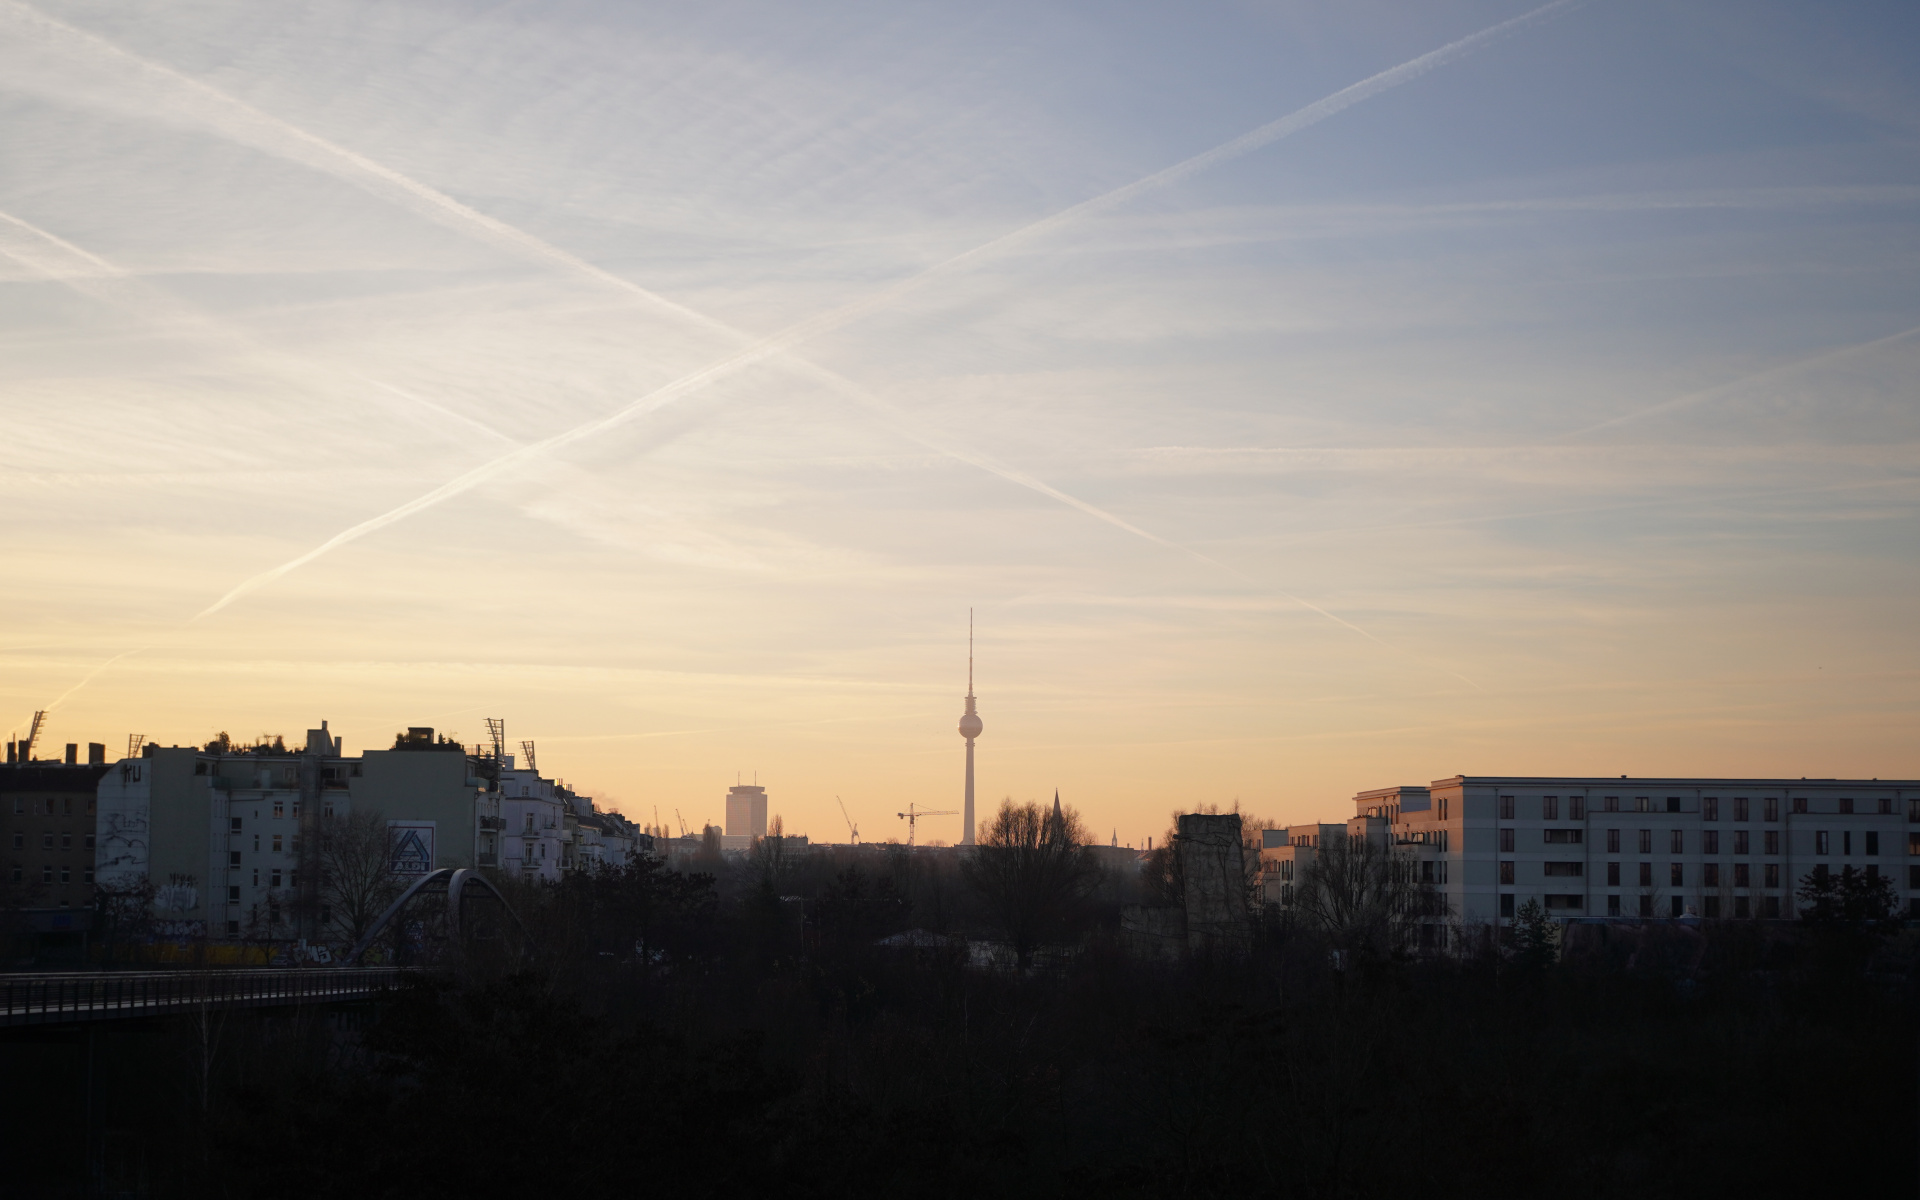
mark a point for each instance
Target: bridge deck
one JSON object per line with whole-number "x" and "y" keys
{"x": 60, "y": 997}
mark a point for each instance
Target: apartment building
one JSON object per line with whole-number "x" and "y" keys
{"x": 1621, "y": 847}
{"x": 225, "y": 834}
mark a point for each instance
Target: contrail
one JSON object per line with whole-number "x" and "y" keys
{"x": 781, "y": 343}
{"x": 112, "y": 284}
{"x": 1734, "y": 385}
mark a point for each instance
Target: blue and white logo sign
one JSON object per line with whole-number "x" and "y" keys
{"x": 410, "y": 847}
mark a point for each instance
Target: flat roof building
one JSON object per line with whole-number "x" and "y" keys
{"x": 1585, "y": 846}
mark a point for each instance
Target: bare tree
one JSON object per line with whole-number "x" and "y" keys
{"x": 1362, "y": 896}
{"x": 357, "y": 882}
{"x": 1032, "y": 870}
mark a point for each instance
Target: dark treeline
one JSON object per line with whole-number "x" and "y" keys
{"x": 738, "y": 1031}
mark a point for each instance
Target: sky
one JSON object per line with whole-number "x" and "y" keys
{"x": 1534, "y": 392}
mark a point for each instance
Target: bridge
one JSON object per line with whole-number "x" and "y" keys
{"x": 66, "y": 997}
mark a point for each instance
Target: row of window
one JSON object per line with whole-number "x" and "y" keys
{"x": 46, "y": 841}
{"x": 47, "y": 874}
{"x": 1712, "y": 875}
{"x": 280, "y": 813}
{"x": 1744, "y": 907}
{"x": 1709, "y": 807}
{"x": 44, "y": 806}
{"x": 1710, "y": 841}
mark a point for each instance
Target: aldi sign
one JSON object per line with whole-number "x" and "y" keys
{"x": 410, "y": 847}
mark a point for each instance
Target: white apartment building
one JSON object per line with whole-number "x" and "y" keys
{"x": 1620, "y": 847}
{"x": 550, "y": 829}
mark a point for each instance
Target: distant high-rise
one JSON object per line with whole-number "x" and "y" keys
{"x": 970, "y": 728}
{"x": 746, "y": 810}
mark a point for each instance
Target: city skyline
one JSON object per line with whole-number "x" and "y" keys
{"x": 1308, "y": 400}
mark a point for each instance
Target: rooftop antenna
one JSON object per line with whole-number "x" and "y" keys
{"x": 852, "y": 829}
{"x": 526, "y": 748}
{"x": 134, "y": 742}
{"x": 33, "y": 735}
{"x": 497, "y": 732}
{"x": 912, "y": 817}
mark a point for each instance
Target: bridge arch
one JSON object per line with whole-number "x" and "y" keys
{"x": 456, "y": 880}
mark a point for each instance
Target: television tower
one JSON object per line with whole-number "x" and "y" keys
{"x": 969, "y": 729}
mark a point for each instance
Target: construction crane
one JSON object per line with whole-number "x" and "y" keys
{"x": 852, "y": 829}
{"x": 33, "y": 735}
{"x": 497, "y": 734}
{"x": 682, "y": 820}
{"x": 912, "y": 817}
{"x": 526, "y": 748}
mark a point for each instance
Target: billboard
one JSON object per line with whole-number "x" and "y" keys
{"x": 410, "y": 847}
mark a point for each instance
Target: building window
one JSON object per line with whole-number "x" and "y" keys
{"x": 1646, "y": 906}
{"x": 1710, "y": 842}
{"x": 1613, "y": 906}
{"x": 1772, "y": 875}
{"x": 1646, "y": 841}
{"x": 1677, "y": 841}
{"x": 236, "y": 824}
{"x": 1426, "y": 871}
{"x": 1799, "y": 806}
{"x": 1576, "y": 808}
{"x": 1739, "y": 808}
{"x": 1913, "y": 877}
{"x": 1613, "y": 874}
{"x": 233, "y": 929}
{"x": 1506, "y": 841}
{"x": 1549, "y": 808}
{"x": 279, "y": 808}
{"x": 46, "y": 841}
{"x": 1565, "y": 868}
{"x": 1770, "y": 907}
{"x": 1643, "y": 804}
{"x": 1446, "y": 806}
{"x": 1673, "y": 804}
{"x": 1770, "y": 808}
{"x": 1821, "y": 844}
{"x": 1646, "y": 874}
{"x": 1740, "y": 908}
{"x": 1846, "y": 804}
{"x": 1710, "y": 875}
{"x": 1613, "y": 841}
{"x": 1506, "y": 869}
{"x": 233, "y": 858}
{"x": 233, "y": 894}
{"x": 86, "y": 876}
{"x": 46, "y": 873}
{"x": 66, "y": 841}
{"x": 66, "y": 874}
{"x": 256, "y": 877}
{"x": 1674, "y": 907}
{"x": 276, "y": 843}
{"x": 1886, "y": 806}
{"x": 1846, "y": 843}
{"x": 1506, "y": 904}
{"x": 1712, "y": 908}
{"x": 276, "y": 877}
{"x": 16, "y": 875}
{"x": 1773, "y": 841}
{"x": 88, "y": 841}
{"x": 1742, "y": 876}
{"x": 1610, "y": 804}
{"x": 1563, "y": 837}
{"x": 1677, "y": 874}
{"x": 1741, "y": 844}
{"x": 1506, "y": 808}
{"x": 1710, "y": 808}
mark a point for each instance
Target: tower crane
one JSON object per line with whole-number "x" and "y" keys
{"x": 912, "y": 818}
{"x": 852, "y": 829}
{"x": 682, "y": 820}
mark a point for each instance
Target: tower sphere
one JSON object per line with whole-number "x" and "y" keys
{"x": 970, "y": 725}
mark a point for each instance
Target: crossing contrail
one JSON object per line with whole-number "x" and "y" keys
{"x": 783, "y": 342}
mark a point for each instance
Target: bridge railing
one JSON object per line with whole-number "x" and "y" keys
{"x": 51, "y": 997}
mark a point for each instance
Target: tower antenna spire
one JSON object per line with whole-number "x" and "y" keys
{"x": 969, "y": 729}
{"x": 969, "y": 652}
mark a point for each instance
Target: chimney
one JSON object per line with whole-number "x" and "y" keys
{"x": 12, "y": 750}
{"x": 96, "y": 753}
{"x": 73, "y": 754}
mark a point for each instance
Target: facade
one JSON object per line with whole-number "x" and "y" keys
{"x": 47, "y": 814}
{"x": 1620, "y": 847}
{"x": 225, "y": 834}
{"x": 537, "y": 840}
{"x": 746, "y": 811}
